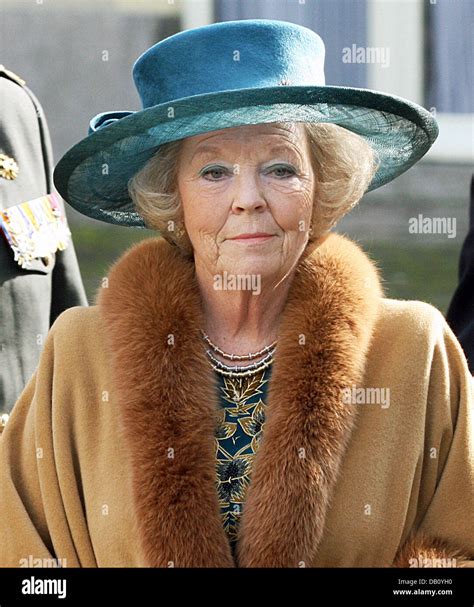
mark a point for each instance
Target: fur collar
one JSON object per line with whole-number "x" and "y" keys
{"x": 169, "y": 423}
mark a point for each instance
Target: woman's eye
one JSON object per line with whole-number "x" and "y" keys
{"x": 284, "y": 168}
{"x": 212, "y": 170}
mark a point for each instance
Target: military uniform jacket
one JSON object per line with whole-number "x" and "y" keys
{"x": 30, "y": 299}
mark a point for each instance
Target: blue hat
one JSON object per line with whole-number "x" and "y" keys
{"x": 226, "y": 75}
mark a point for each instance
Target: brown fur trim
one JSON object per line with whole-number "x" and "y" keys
{"x": 166, "y": 391}
{"x": 422, "y": 550}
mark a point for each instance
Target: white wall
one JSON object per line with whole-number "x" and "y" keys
{"x": 398, "y": 24}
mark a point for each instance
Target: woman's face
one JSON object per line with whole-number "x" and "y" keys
{"x": 246, "y": 180}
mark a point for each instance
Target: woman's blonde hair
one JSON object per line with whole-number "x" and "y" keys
{"x": 343, "y": 164}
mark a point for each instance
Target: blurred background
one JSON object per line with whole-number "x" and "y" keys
{"x": 77, "y": 57}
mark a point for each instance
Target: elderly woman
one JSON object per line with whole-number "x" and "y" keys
{"x": 242, "y": 394}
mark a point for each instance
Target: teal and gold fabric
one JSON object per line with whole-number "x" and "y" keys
{"x": 241, "y": 420}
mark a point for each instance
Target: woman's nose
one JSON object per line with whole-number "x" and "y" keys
{"x": 248, "y": 194}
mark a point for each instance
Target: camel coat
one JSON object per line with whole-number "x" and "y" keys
{"x": 108, "y": 458}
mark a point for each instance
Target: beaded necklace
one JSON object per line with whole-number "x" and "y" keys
{"x": 265, "y": 355}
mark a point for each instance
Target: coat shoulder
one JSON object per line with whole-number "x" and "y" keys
{"x": 78, "y": 332}
{"x": 77, "y": 320}
{"x": 412, "y": 312}
{"x": 414, "y": 328}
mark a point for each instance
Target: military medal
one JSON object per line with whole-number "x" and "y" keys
{"x": 35, "y": 229}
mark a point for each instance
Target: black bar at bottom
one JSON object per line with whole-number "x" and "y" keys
{"x": 449, "y": 586}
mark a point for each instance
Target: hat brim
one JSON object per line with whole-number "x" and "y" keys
{"x": 93, "y": 175}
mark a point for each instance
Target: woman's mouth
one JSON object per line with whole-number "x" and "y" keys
{"x": 254, "y": 237}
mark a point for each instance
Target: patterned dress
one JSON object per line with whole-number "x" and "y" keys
{"x": 239, "y": 431}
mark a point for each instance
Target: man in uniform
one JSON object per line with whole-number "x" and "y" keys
{"x": 39, "y": 273}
